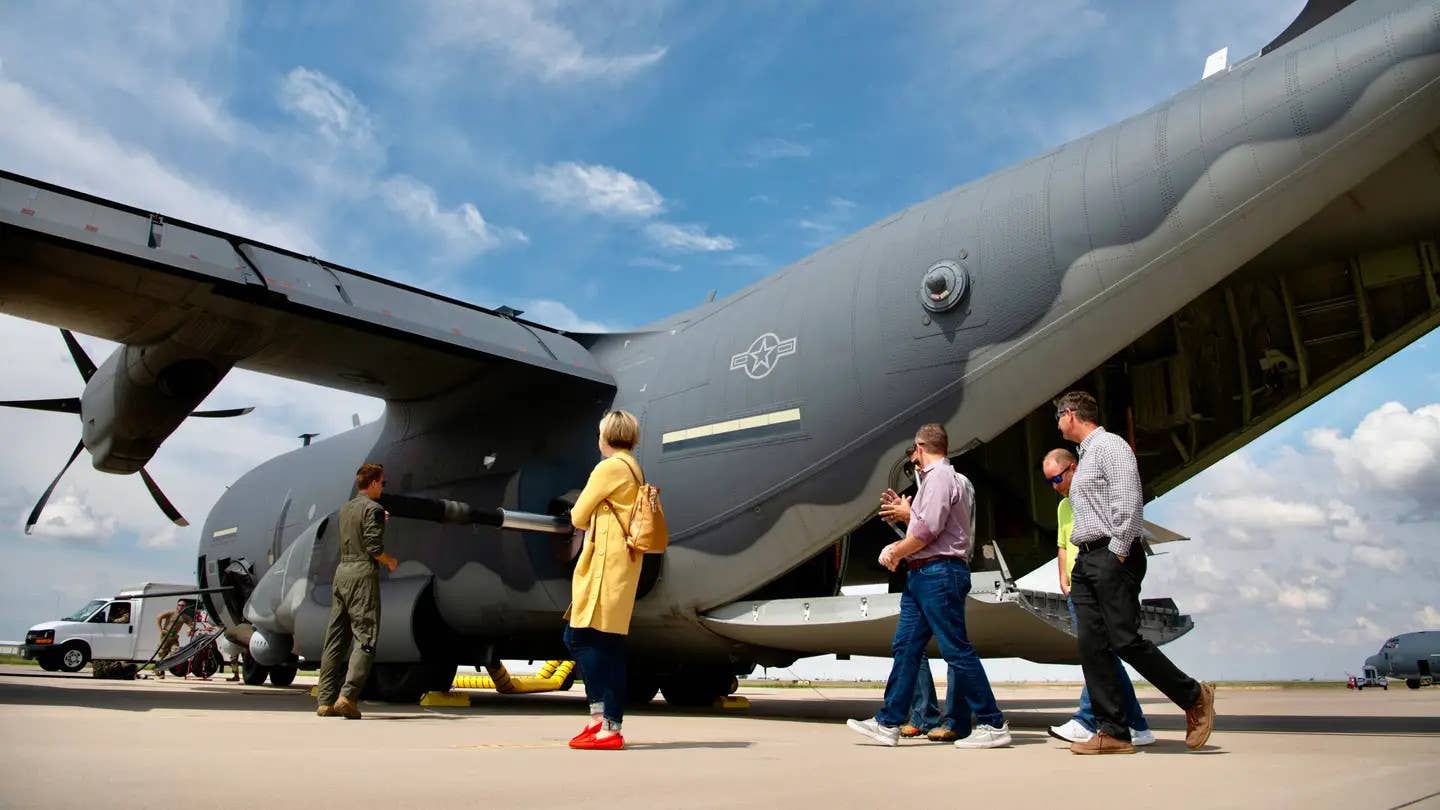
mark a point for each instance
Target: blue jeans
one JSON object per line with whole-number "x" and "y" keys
{"x": 601, "y": 658}
{"x": 925, "y": 708}
{"x": 1085, "y": 715}
{"x": 933, "y": 606}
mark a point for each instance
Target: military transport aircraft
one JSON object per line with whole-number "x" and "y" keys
{"x": 1207, "y": 268}
{"x": 1415, "y": 657}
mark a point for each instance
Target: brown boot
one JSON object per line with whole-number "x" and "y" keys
{"x": 346, "y": 708}
{"x": 1200, "y": 718}
{"x": 942, "y": 734}
{"x": 326, "y": 710}
{"x": 1102, "y": 743}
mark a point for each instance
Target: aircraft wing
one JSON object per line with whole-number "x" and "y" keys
{"x": 1155, "y": 533}
{"x": 137, "y": 277}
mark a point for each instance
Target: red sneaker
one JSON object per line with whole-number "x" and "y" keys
{"x": 588, "y": 733}
{"x": 614, "y": 742}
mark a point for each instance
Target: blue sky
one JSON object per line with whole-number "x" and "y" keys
{"x": 595, "y": 164}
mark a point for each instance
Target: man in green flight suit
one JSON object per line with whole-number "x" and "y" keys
{"x": 355, "y": 611}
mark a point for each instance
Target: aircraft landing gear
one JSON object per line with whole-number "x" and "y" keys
{"x": 689, "y": 688}
{"x": 253, "y": 673}
{"x": 407, "y": 683}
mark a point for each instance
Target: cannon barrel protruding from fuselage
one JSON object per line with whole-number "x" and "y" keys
{"x": 441, "y": 510}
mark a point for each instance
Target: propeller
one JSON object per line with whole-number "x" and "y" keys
{"x": 87, "y": 369}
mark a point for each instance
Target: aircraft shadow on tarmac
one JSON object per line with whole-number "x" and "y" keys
{"x": 1026, "y": 715}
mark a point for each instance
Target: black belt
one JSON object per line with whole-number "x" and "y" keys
{"x": 1103, "y": 542}
{"x": 344, "y": 558}
{"x": 915, "y": 565}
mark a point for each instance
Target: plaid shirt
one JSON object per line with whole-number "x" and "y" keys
{"x": 1106, "y": 493}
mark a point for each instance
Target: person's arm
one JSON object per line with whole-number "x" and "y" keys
{"x": 1064, "y": 575}
{"x": 891, "y": 556}
{"x": 372, "y": 537}
{"x": 163, "y": 620}
{"x": 607, "y": 477}
{"x": 1127, "y": 500}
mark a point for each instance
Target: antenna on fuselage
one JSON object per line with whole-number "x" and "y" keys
{"x": 306, "y": 437}
{"x": 354, "y": 420}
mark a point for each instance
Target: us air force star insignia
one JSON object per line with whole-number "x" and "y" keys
{"x": 763, "y": 355}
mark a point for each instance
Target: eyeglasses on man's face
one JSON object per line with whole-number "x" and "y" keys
{"x": 1060, "y": 414}
{"x": 1056, "y": 480}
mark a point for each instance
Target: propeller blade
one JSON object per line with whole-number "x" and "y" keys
{"x": 162, "y": 501}
{"x": 63, "y": 405}
{"x": 82, "y": 360}
{"x": 40, "y": 507}
{"x": 221, "y": 414}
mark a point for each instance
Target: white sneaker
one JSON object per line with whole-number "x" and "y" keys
{"x": 1141, "y": 738}
{"x": 986, "y": 737}
{"x": 885, "y": 735}
{"x": 1072, "y": 732}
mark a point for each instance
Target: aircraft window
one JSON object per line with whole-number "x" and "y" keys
{"x": 943, "y": 286}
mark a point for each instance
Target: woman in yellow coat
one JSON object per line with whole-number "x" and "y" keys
{"x": 602, "y": 593}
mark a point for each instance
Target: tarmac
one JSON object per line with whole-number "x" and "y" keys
{"x": 72, "y": 740}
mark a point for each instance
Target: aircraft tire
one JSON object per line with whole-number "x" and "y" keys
{"x": 282, "y": 676}
{"x": 75, "y": 655}
{"x": 689, "y": 689}
{"x": 1413, "y": 683}
{"x": 407, "y": 683}
{"x": 254, "y": 674}
{"x": 640, "y": 687}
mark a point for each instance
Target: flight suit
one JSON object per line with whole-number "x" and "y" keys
{"x": 355, "y": 609}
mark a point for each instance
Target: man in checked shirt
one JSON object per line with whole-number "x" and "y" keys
{"x": 1105, "y": 494}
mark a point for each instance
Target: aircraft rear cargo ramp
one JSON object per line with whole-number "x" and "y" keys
{"x": 1030, "y": 624}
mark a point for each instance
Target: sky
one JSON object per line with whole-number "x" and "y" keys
{"x": 600, "y": 165}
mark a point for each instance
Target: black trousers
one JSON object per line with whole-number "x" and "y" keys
{"x": 1107, "y": 604}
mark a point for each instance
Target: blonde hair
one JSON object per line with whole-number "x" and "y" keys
{"x": 620, "y": 430}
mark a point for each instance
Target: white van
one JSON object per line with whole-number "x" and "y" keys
{"x": 121, "y": 630}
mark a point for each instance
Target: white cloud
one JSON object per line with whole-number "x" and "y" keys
{"x": 69, "y": 518}
{"x": 655, "y": 264}
{"x": 326, "y": 104}
{"x": 167, "y": 536}
{"x": 530, "y": 40}
{"x": 1393, "y": 450}
{"x": 687, "y": 238}
{"x": 1428, "y": 618}
{"x": 597, "y": 189}
{"x": 557, "y": 315}
{"x": 1305, "y": 596}
{"x": 748, "y": 260}
{"x": 462, "y": 227}
{"x": 46, "y": 143}
{"x": 1381, "y": 559}
{"x": 1259, "y": 512}
{"x": 829, "y": 220}
{"x": 769, "y": 149}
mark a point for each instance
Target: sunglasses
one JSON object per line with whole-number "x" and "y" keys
{"x": 1055, "y": 480}
{"x": 1060, "y": 414}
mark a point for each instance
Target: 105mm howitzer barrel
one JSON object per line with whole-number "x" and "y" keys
{"x": 441, "y": 510}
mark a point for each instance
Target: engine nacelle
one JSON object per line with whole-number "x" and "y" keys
{"x": 139, "y": 396}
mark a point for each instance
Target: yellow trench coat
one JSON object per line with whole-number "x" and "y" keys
{"x": 602, "y": 592}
